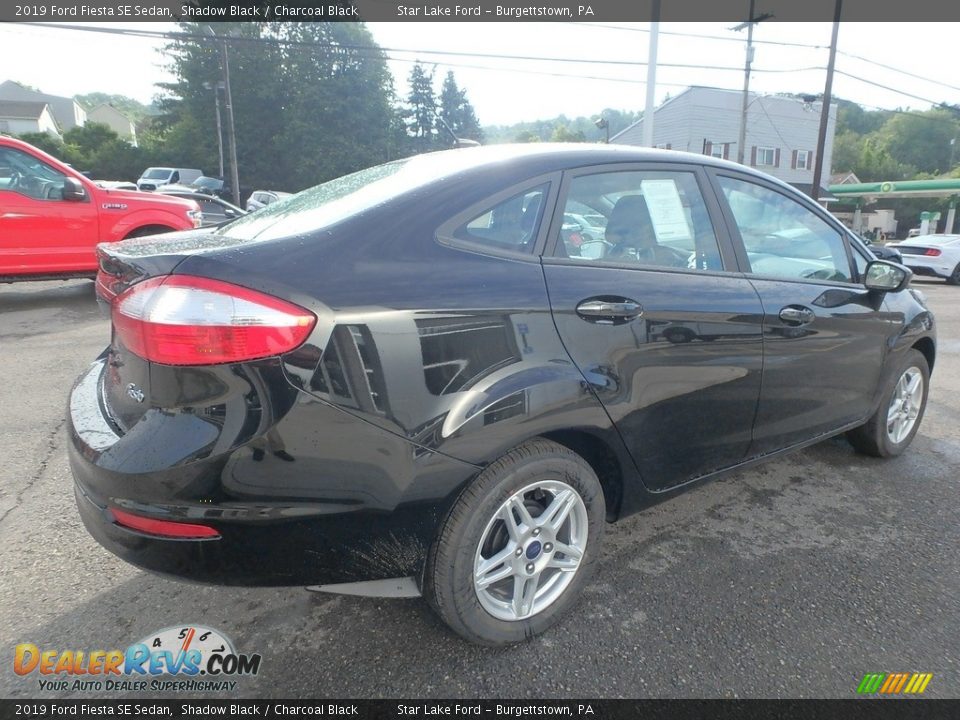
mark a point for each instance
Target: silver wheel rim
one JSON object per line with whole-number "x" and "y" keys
{"x": 905, "y": 405}
{"x": 530, "y": 550}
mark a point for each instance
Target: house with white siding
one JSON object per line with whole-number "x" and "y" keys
{"x": 114, "y": 119}
{"x": 18, "y": 118}
{"x": 781, "y": 137}
{"x": 66, "y": 111}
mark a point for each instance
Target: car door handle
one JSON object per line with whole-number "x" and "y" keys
{"x": 609, "y": 309}
{"x": 796, "y": 315}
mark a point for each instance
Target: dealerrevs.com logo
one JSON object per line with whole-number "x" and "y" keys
{"x": 188, "y": 659}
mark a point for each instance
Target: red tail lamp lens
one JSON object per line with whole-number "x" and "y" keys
{"x": 186, "y": 320}
{"x": 162, "y": 528}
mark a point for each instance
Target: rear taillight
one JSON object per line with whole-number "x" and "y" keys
{"x": 105, "y": 284}
{"x": 932, "y": 252}
{"x": 186, "y": 320}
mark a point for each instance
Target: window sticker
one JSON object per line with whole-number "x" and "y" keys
{"x": 666, "y": 210}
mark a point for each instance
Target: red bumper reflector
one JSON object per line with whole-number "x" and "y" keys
{"x": 162, "y": 528}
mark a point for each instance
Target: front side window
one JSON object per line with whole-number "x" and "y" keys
{"x": 647, "y": 218}
{"x": 510, "y": 224}
{"x": 22, "y": 173}
{"x": 783, "y": 238}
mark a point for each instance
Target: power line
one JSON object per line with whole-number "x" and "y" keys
{"x": 898, "y": 70}
{"x": 674, "y": 33}
{"x": 160, "y": 35}
{"x": 887, "y": 87}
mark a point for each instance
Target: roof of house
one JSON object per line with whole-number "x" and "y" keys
{"x": 110, "y": 109}
{"x": 62, "y": 108}
{"x": 14, "y": 110}
{"x": 731, "y": 98}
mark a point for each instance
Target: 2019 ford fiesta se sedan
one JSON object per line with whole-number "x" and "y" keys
{"x": 410, "y": 379}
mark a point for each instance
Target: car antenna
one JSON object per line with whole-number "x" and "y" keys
{"x": 457, "y": 142}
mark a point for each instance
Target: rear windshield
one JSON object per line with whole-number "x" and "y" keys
{"x": 334, "y": 201}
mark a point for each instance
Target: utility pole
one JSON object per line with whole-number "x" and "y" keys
{"x": 825, "y": 109}
{"x": 231, "y": 128}
{"x": 750, "y": 22}
{"x": 216, "y": 87}
{"x": 651, "y": 76}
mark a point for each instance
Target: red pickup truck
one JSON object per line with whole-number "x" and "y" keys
{"x": 52, "y": 217}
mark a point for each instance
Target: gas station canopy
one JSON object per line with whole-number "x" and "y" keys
{"x": 870, "y": 192}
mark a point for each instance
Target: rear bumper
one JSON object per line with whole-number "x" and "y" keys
{"x": 928, "y": 267}
{"x": 356, "y": 503}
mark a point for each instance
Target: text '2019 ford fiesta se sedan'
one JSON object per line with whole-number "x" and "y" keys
{"x": 411, "y": 377}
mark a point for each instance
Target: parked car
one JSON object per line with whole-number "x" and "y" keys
{"x": 262, "y": 198}
{"x": 52, "y": 217}
{"x": 932, "y": 256}
{"x": 154, "y": 177}
{"x": 214, "y": 210}
{"x": 116, "y": 184}
{"x": 400, "y": 382}
{"x": 211, "y": 186}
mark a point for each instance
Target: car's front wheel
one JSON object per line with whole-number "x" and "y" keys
{"x": 519, "y": 545}
{"x": 892, "y": 427}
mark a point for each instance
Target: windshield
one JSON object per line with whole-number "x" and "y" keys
{"x": 156, "y": 174}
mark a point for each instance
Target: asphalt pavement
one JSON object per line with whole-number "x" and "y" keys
{"x": 792, "y": 579}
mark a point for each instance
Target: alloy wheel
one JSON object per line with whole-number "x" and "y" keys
{"x": 905, "y": 405}
{"x": 530, "y": 550}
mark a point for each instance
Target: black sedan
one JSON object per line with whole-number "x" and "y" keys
{"x": 405, "y": 381}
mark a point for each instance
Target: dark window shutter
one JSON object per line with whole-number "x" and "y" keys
{"x": 776, "y": 157}
{"x": 707, "y": 147}
{"x": 726, "y": 151}
{"x": 753, "y": 156}
{"x": 793, "y": 162}
{"x": 669, "y": 146}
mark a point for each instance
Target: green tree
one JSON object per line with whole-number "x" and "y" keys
{"x": 457, "y": 111}
{"x": 562, "y": 133}
{"x": 310, "y": 102}
{"x": 421, "y": 110}
{"x": 921, "y": 139}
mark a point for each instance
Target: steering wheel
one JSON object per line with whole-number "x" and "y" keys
{"x": 678, "y": 258}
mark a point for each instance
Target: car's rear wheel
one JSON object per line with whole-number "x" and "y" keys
{"x": 954, "y": 278}
{"x": 893, "y": 426}
{"x": 519, "y": 545}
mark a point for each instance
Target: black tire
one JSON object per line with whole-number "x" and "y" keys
{"x": 872, "y": 437}
{"x": 449, "y": 574}
{"x": 954, "y": 278}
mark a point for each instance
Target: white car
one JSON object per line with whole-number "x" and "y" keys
{"x": 932, "y": 256}
{"x": 262, "y": 198}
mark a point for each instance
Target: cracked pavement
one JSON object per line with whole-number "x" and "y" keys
{"x": 792, "y": 579}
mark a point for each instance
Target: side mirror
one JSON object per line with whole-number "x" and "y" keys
{"x": 886, "y": 276}
{"x": 230, "y": 213}
{"x": 73, "y": 190}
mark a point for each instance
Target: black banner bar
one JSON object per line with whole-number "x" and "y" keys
{"x": 470, "y": 10}
{"x": 855, "y": 709}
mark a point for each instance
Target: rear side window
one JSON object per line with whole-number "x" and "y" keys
{"x": 783, "y": 238}
{"x": 510, "y": 224}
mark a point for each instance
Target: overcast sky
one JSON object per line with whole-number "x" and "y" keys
{"x": 505, "y": 91}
